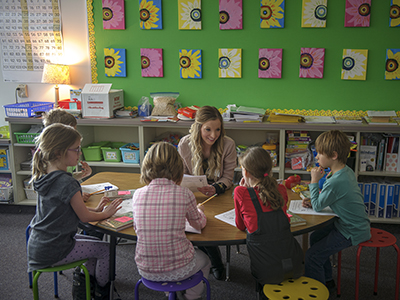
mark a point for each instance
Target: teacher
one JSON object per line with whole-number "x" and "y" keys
{"x": 207, "y": 151}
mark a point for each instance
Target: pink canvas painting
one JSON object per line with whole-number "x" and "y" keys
{"x": 230, "y": 14}
{"x": 312, "y": 62}
{"x": 113, "y": 14}
{"x": 269, "y": 63}
{"x": 358, "y": 13}
{"x": 152, "y": 62}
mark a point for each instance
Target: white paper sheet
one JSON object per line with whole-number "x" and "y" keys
{"x": 297, "y": 208}
{"x": 227, "y": 217}
{"x": 91, "y": 188}
{"x": 193, "y": 182}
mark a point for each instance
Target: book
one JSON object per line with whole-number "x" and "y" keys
{"x": 118, "y": 223}
{"x": 396, "y": 199}
{"x": 388, "y": 211}
{"x": 127, "y": 194}
{"x": 250, "y": 110}
{"x": 380, "y": 121}
{"x": 296, "y": 220}
{"x": 367, "y": 158}
{"x": 373, "y": 199}
{"x": 305, "y": 194}
{"x": 367, "y": 195}
{"x": 381, "y": 200}
{"x": 285, "y": 118}
{"x": 348, "y": 120}
{"x": 381, "y": 152}
{"x": 319, "y": 119}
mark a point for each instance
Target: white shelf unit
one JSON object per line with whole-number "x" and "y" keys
{"x": 135, "y": 131}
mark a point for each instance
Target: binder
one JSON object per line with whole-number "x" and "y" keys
{"x": 381, "y": 200}
{"x": 373, "y": 199}
{"x": 367, "y": 195}
{"x": 388, "y": 211}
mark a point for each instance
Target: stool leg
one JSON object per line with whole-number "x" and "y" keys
{"x": 208, "y": 288}
{"x": 378, "y": 250}
{"x": 397, "y": 270}
{"x": 137, "y": 289}
{"x": 228, "y": 260}
{"x": 55, "y": 285}
{"x": 339, "y": 272}
{"x": 35, "y": 287}
{"x": 172, "y": 296}
{"x": 358, "y": 270}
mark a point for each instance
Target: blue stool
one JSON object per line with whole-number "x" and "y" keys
{"x": 173, "y": 286}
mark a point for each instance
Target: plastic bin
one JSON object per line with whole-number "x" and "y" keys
{"x": 129, "y": 155}
{"x": 4, "y": 132}
{"x": 92, "y": 152}
{"x": 27, "y": 109}
{"x": 6, "y": 193}
{"x": 30, "y": 194}
{"x": 25, "y": 138}
{"x": 111, "y": 152}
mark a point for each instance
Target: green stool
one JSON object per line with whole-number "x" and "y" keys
{"x": 72, "y": 265}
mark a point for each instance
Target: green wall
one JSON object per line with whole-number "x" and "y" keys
{"x": 289, "y": 92}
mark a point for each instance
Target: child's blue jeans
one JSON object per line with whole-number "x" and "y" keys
{"x": 324, "y": 242}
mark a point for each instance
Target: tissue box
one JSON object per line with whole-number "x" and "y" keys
{"x": 100, "y": 101}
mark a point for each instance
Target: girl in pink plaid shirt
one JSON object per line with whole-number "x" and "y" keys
{"x": 160, "y": 211}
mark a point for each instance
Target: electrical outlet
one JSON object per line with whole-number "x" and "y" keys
{"x": 22, "y": 90}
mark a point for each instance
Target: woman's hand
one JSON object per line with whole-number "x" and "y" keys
{"x": 207, "y": 190}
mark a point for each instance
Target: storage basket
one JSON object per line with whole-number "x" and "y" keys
{"x": 4, "y": 132}
{"x": 27, "y": 109}
{"x": 6, "y": 193}
{"x": 129, "y": 155}
{"x": 111, "y": 152}
{"x": 26, "y": 138}
{"x": 30, "y": 194}
{"x": 92, "y": 152}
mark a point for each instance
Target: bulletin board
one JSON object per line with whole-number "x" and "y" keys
{"x": 290, "y": 93}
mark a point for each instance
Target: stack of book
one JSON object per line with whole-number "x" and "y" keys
{"x": 348, "y": 120}
{"x": 248, "y": 114}
{"x": 285, "y": 118}
{"x": 118, "y": 222}
{"x": 296, "y": 149}
{"x": 381, "y": 117}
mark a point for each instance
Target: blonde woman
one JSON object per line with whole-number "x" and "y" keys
{"x": 206, "y": 150}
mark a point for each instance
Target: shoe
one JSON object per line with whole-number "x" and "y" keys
{"x": 218, "y": 273}
{"x": 331, "y": 286}
{"x": 102, "y": 292}
{"x": 78, "y": 285}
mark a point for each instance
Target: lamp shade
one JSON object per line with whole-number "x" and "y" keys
{"x": 56, "y": 74}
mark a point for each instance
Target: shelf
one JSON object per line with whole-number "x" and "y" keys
{"x": 379, "y": 173}
{"x": 24, "y": 172}
{"x": 24, "y": 145}
{"x": 5, "y": 171}
{"x": 112, "y": 164}
{"x": 274, "y": 169}
{"x": 384, "y": 220}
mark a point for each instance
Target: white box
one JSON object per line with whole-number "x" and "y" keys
{"x": 100, "y": 101}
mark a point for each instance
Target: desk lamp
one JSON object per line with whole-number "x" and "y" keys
{"x": 56, "y": 74}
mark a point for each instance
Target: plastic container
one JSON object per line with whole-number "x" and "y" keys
{"x": 4, "y": 132}
{"x": 92, "y": 152}
{"x": 30, "y": 194}
{"x": 6, "y": 193}
{"x": 25, "y": 138}
{"x": 27, "y": 109}
{"x": 111, "y": 152}
{"x": 129, "y": 155}
{"x": 4, "y": 159}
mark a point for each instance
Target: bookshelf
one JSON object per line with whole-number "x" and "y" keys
{"x": 133, "y": 130}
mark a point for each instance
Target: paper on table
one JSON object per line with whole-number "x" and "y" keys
{"x": 126, "y": 207}
{"x": 297, "y": 208}
{"x": 193, "y": 182}
{"x": 190, "y": 228}
{"x": 91, "y": 188}
{"x": 227, "y": 217}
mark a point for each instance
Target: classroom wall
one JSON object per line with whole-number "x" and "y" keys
{"x": 289, "y": 92}
{"x": 76, "y": 46}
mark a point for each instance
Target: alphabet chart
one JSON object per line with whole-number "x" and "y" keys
{"x": 30, "y": 36}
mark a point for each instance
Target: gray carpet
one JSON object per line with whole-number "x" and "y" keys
{"x": 14, "y": 279}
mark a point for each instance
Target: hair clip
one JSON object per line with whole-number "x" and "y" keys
{"x": 265, "y": 174}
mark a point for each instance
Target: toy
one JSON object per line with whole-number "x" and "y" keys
{"x": 292, "y": 181}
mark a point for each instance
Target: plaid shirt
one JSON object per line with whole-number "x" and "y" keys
{"x": 160, "y": 210}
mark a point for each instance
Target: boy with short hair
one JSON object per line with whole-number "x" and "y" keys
{"x": 342, "y": 193}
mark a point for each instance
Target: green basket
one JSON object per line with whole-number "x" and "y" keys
{"x": 26, "y": 138}
{"x": 92, "y": 152}
{"x": 111, "y": 152}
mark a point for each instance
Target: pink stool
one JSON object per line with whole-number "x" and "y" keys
{"x": 379, "y": 238}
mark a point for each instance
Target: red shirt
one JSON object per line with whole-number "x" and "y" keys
{"x": 246, "y": 215}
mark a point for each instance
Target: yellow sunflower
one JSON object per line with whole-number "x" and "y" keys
{"x": 392, "y": 65}
{"x": 271, "y": 14}
{"x": 190, "y": 63}
{"x": 148, "y": 15}
{"x": 112, "y": 62}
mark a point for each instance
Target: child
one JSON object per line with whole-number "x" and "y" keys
{"x": 342, "y": 193}
{"x": 64, "y": 117}
{"x": 160, "y": 211}
{"x": 260, "y": 207}
{"x": 53, "y": 240}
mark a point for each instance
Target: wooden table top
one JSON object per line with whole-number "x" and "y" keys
{"x": 216, "y": 232}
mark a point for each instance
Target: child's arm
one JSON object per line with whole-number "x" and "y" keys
{"x": 195, "y": 214}
{"x": 85, "y": 215}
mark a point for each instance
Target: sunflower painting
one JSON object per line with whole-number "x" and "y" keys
{"x": 230, "y": 14}
{"x": 357, "y": 13}
{"x": 392, "y": 71}
{"x": 115, "y": 62}
{"x": 272, "y": 14}
{"x": 151, "y": 62}
{"x": 312, "y": 62}
{"x": 269, "y": 63}
{"x": 189, "y": 14}
{"x": 354, "y": 64}
{"x": 150, "y": 14}
{"x": 230, "y": 63}
{"x": 113, "y": 14}
{"x": 314, "y": 13}
{"x": 190, "y": 65}
{"x": 395, "y": 13}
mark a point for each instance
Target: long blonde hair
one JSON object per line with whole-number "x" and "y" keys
{"x": 52, "y": 143}
{"x": 162, "y": 161}
{"x": 258, "y": 163}
{"x": 203, "y": 115}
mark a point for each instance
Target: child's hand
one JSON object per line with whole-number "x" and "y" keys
{"x": 316, "y": 174}
{"x": 86, "y": 170}
{"x": 113, "y": 207}
{"x": 306, "y": 203}
{"x": 85, "y": 196}
{"x": 200, "y": 207}
{"x": 103, "y": 202}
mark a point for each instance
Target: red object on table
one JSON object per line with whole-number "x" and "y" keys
{"x": 292, "y": 181}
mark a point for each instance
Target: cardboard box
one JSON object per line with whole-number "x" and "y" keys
{"x": 100, "y": 101}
